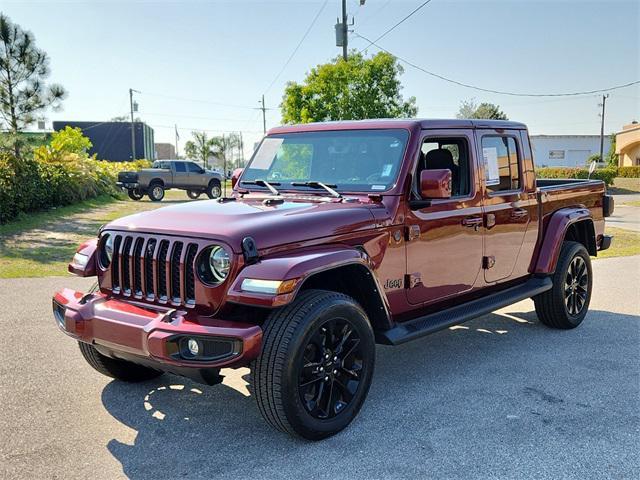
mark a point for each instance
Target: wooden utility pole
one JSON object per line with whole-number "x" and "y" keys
{"x": 264, "y": 115}
{"x": 345, "y": 30}
{"x": 133, "y": 127}
{"x": 604, "y": 101}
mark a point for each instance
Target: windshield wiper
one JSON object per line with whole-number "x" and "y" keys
{"x": 314, "y": 184}
{"x": 263, "y": 183}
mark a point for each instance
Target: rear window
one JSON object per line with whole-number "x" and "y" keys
{"x": 501, "y": 161}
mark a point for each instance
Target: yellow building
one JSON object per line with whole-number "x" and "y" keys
{"x": 628, "y": 145}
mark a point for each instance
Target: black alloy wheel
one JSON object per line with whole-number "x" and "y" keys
{"x": 576, "y": 286}
{"x": 330, "y": 374}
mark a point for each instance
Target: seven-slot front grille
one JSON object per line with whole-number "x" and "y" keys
{"x": 153, "y": 269}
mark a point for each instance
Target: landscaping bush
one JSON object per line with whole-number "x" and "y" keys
{"x": 57, "y": 174}
{"x": 605, "y": 174}
{"x": 629, "y": 172}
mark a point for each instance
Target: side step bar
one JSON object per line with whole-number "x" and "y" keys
{"x": 421, "y": 326}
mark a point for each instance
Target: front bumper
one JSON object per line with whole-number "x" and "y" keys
{"x": 128, "y": 185}
{"x": 156, "y": 336}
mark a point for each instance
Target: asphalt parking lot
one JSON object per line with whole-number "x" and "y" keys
{"x": 500, "y": 397}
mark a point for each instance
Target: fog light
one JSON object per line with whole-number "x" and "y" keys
{"x": 193, "y": 346}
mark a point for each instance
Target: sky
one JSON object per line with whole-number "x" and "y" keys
{"x": 203, "y": 65}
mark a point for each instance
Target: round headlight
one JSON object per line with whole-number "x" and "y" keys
{"x": 107, "y": 250}
{"x": 219, "y": 263}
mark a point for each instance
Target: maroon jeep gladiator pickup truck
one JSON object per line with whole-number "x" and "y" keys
{"x": 337, "y": 236}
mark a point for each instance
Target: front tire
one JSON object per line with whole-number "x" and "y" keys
{"x": 114, "y": 368}
{"x": 314, "y": 371}
{"x": 565, "y": 305}
{"x": 156, "y": 192}
{"x": 193, "y": 194}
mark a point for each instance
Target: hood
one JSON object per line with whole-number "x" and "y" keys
{"x": 293, "y": 221}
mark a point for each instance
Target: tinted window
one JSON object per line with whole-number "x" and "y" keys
{"x": 451, "y": 154}
{"x": 193, "y": 168}
{"x": 502, "y": 168}
{"x": 180, "y": 167}
{"x": 351, "y": 160}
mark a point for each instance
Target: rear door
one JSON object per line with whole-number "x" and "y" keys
{"x": 180, "y": 174}
{"x": 507, "y": 206}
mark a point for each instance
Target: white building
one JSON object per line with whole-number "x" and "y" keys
{"x": 566, "y": 150}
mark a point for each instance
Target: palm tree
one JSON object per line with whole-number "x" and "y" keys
{"x": 200, "y": 148}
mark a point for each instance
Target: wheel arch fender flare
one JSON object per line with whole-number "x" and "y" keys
{"x": 343, "y": 269}
{"x": 575, "y": 222}
{"x": 156, "y": 181}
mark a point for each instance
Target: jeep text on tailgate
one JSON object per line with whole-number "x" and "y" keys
{"x": 337, "y": 236}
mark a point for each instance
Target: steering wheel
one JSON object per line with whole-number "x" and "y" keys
{"x": 374, "y": 177}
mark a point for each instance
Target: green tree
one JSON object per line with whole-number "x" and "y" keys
{"x": 355, "y": 89}
{"x": 225, "y": 146}
{"x": 66, "y": 145}
{"x": 200, "y": 148}
{"x": 612, "y": 158}
{"x": 470, "y": 109}
{"x": 24, "y": 69}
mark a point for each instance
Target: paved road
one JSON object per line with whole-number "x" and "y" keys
{"x": 625, "y": 216}
{"x": 503, "y": 397}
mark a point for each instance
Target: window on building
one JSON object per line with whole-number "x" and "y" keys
{"x": 502, "y": 165}
{"x": 556, "y": 154}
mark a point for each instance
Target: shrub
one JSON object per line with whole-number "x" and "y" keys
{"x": 29, "y": 184}
{"x": 605, "y": 174}
{"x": 629, "y": 172}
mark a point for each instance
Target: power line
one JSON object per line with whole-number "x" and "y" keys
{"x": 499, "y": 92}
{"x": 373, "y": 42}
{"x": 295, "y": 50}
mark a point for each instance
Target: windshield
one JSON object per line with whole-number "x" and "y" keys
{"x": 349, "y": 160}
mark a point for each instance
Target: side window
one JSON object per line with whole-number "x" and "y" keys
{"x": 180, "y": 167}
{"x": 447, "y": 153}
{"x": 193, "y": 168}
{"x": 502, "y": 165}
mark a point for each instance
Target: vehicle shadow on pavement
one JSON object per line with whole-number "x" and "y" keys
{"x": 428, "y": 395}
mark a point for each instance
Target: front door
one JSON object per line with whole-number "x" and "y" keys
{"x": 507, "y": 208}
{"x": 444, "y": 239}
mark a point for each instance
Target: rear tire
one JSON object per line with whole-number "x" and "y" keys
{"x": 135, "y": 194}
{"x": 565, "y": 305}
{"x": 314, "y": 371}
{"x": 193, "y": 194}
{"x": 156, "y": 192}
{"x": 213, "y": 189}
{"x": 118, "y": 369}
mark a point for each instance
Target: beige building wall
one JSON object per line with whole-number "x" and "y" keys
{"x": 165, "y": 151}
{"x": 628, "y": 145}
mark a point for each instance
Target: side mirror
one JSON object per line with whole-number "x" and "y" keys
{"x": 435, "y": 183}
{"x": 235, "y": 176}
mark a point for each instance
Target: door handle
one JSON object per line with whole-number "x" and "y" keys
{"x": 519, "y": 213}
{"x": 472, "y": 222}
